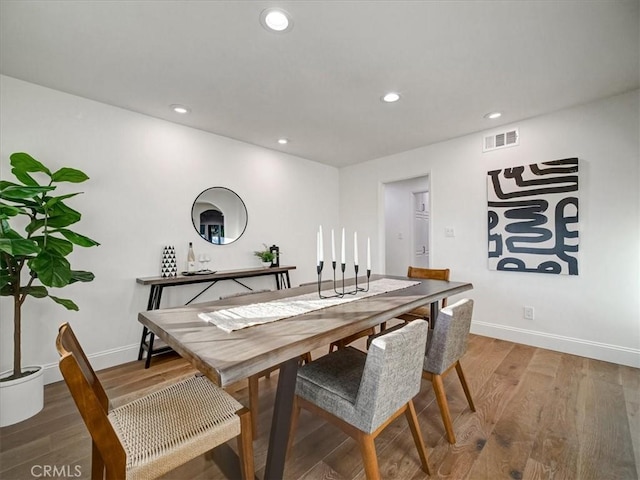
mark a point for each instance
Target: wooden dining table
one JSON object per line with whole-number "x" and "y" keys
{"x": 227, "y": 357}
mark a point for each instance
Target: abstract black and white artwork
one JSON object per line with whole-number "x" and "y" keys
{"x": 533, "y": 218}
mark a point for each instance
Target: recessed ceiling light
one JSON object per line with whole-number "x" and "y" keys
{"x": 276, "y": 20}
{"x": 493, "y": 115}
{"x": 391, "y": 97}
{"x": 180, "y": 109}
{"x": 283, "y": 141}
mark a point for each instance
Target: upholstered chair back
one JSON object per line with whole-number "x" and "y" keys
{"x": 391, "y": 375}
{"x": 448, "y": 341}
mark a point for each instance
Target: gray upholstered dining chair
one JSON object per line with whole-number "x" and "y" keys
{"x": 445, "y": 346}
{"x": 362, "y": 393}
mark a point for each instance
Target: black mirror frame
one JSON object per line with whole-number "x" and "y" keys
{"x": 197, "y": 227}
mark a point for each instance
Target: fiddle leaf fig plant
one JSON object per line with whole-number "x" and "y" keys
{"x": 35, "y": 259}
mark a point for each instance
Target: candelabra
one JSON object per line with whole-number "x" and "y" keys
{"x": 342, "y": 292}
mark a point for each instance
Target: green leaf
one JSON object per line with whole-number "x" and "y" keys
{"x": 53, "y": 269}
{"x": 72, "y": 175}
{"x": 7, "y": 211}
{"x": 37, "y": 291}
{"x": 17, "y": 193}
{"x": 18, "y": 246}
{"x": 81, "y": 276}
{"x": 61, "y": 216}
{"x": 53, "y": 200}
{"x": 26, "y": 163}
{"x": 25, "y": 178}
{"x": 68, "y": 304}
{"x": 78, "y": 239}
{"x": 59, "y": 245}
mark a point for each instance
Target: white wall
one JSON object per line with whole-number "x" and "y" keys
{"x": 594, "y": 314}
{"x": 145, "y": 174}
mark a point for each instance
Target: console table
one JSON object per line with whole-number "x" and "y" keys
{"x": 157, "y": 284}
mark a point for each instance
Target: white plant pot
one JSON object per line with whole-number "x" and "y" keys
{"x": 266, "y": 264}
{"x": 21, "y": 398}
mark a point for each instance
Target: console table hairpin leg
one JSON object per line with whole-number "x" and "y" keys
{"x": 155, "y": 297}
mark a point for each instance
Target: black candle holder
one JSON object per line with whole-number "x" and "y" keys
{"x": 343, "y": 292}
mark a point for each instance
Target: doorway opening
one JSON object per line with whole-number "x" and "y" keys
{"x": 407, "y": 215}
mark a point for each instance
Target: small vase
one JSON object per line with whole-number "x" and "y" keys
{"x": 266, "y": 264}
{"x": 169, "y": 266}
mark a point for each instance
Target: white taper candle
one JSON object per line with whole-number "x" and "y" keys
{"x": 355, "y": 248}
{"x": 333, "y": 247}
{"x": 342, "y": 256}
{"x": 368, "y": 253}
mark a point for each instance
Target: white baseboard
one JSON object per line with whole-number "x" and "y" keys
{"x": 560, "y": 343}
{"x": 99, "y": 361}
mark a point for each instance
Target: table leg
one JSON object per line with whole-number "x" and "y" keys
{"x": 155, "y": 297}
{"x": 435, "y": 310}
{"x": 281, "y": 421}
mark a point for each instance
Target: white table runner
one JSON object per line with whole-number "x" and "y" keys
{"x": 244, "y": 316}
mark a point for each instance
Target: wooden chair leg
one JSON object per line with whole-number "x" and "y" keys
{"x": 253, "y": 404}
{"x": 412, "y": 419}
{"x": 441, "y": 397}
{"x": 245, "y": 444}
{"x": 465, "y": 387}
{"x": 295, "y": 414}
{"x": 369, "y": 457}
{"x": 97, "y": 464}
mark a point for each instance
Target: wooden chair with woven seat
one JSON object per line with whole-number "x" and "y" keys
{"x": 156, "y": 433}
{"x": 254, "y": 400}
{"x": 425, "y": 273}
{"x": 445, "y": 346}
{"x": 362, "y": 393}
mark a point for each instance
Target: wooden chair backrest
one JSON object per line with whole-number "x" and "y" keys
{"x": 91, "y": 400}
{"x": 430, "y": 273}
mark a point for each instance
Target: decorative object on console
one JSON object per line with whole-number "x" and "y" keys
{"x": 204, "y": 261}
{"x": 266, "y": 256}
{"x": 320, "y": 263}
{"x": 276, "y": 255}
{"x": 191, "y": 259}
{"x": 169, "y": 267}
{"x": 533, "y": 217}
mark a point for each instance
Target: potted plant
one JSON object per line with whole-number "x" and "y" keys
{"x": 34, "y": 260}
{"x": 266, "y": 256}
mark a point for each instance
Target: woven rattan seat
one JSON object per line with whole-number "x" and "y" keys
{"x": 156, "y": 433}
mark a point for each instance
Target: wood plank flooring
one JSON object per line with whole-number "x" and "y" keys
{"x": 540, "y": 415}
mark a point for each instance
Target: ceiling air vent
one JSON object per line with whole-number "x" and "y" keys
{"x": 508, "y": 138}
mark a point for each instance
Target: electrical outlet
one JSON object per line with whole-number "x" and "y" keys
{"x": 528, "y": 313}
{"x": 449, "y": 232}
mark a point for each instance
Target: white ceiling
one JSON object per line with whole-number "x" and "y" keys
{"x": 320, "y": 84}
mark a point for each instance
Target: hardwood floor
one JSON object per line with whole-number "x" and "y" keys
{"x": 540, "y": 415}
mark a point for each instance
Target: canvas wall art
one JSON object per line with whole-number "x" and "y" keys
{"x": 533, "y": 218}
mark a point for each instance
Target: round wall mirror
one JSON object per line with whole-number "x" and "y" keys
{"x": 219, "y": 215}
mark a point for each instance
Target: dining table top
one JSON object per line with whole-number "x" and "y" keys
{"x": 227, "y": 357}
